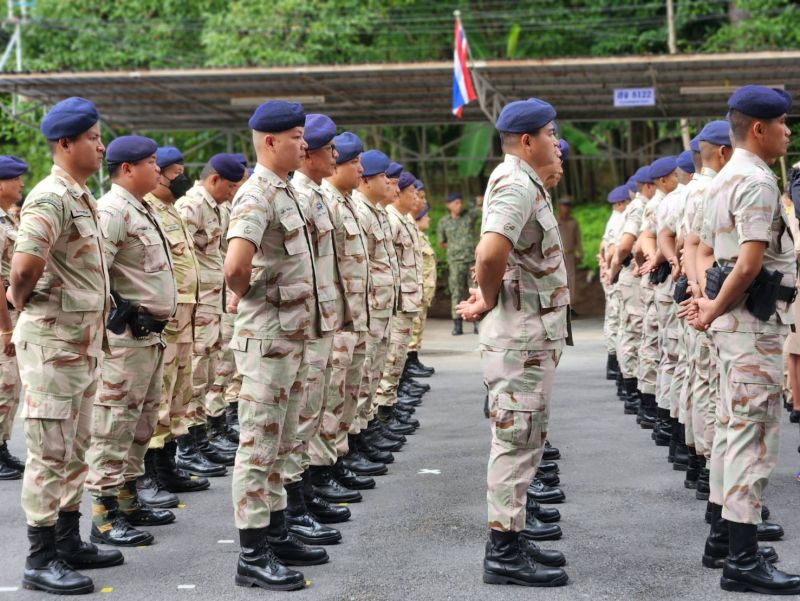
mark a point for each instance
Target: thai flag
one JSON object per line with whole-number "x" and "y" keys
{"x": 463, "y": 92}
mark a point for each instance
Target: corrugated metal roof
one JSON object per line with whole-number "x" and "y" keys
{"x": 581, "y": 89}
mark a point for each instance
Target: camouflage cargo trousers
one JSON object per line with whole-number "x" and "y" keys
{"x": 374, "y": 360}
{"x": 747, "y": 432}
{"x": 666, "y": 345}
{"x": 274, "y": 373}
{"x": 176, "y": 391}
{"x": 10, "y": 386}
{"x": 649, "y": 345}
{"x": 680, "y": 392}
{"x": 631, "y": 317}
{"x": 227, "y": 382}
{"x": 459, "y": 280}
{"x": 205, "y": 354}
{"x": 520, "y": 385}
{"x": 611, "y": 321}
{"x": 317, "y": 387}
{"x": 346, "y": 367}
{"x": 415, "y": 344}
{"x": 704, "y": 391}
{"x": 58, "y": 389}
{"x": 124, "y": 416}
{"x": 402, "y": 324}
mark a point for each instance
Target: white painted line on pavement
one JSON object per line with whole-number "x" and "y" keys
{"x": 185, "y": 586}
{"x": 225, "y": 541}
{"x": 427, "y": 471}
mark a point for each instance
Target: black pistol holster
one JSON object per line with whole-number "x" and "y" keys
{"x": 681, "y": 292}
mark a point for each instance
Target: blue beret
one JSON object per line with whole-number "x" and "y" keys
{"x": 374, "y": 162}
{"x": 760, "y": 102}
{"x": 394, "y": 170}
{"x": 227, "y": 166}
{"x": 618, "y": 194}
{"x": 631, "y": 184}
{"x": 241, "y": 158}
{"x": 423, "y": 211}
{"x": 717, "y": 133}
{"x": 419, "y": 185}
{"x": 694, "y": 143}
{"x": 642, "y": 175}
{"x": 564, "y": 146}
{"x": 348, "y": 145}
{"x": 129, "y": 149}
{"x": 320, "y": 129}
{"x": 453, "y": 196}
{"x": 11, "y": 167}
{"x": 406, "y": 179}
{"x": 662, "y": 167}
{"x": 168, "y": 155}
{"x": 69, "y": 118}
{"x": 275, "y": 116}
{"x": 685, "y": 161}
{"x": 525, "y": 116}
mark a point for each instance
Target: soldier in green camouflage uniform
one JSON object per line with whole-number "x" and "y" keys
{"x": 60, "y": 284}
{"x": 202, "y": 212}
{"x": 11, "y": 171}
{"x": 456, "y": 234}
{"x": 523, "y": 334}
{"x": 270, "y": 273}
{"x": 747, "y": 231}
{"x": 126, "y": 407}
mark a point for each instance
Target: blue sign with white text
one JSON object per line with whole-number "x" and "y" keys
{"x": 634, "y": 97}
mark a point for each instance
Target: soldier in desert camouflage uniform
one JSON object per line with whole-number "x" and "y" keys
{"x": 59, "y": 283}
{"x": 748, "y": 233}
{"x": 524, "y": 293}
{"x": 270, "y": 274}
{"x": 201, "y": 210}
{"x": 126, "y": 407}
{"x": 176, "y": 393}
{"x": 11, "y": 171}
{"x": 428, "y": 286}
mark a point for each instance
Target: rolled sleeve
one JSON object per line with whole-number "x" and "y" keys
{"x": 753, "y": 212}
{"x": 249, "y": 219}
{"x": 40, "y": 226}
{"x": 509, "y": 211}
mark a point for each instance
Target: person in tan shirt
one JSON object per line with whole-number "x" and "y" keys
{"x": 571, "y": 239}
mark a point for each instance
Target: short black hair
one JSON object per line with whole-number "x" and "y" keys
{"x": 113, "y": 169}
{"x": 207, "y": 171}
{"x": 507, "y": 136}
{"x": 53, "y": 144}
{"x": 740, "y": 124}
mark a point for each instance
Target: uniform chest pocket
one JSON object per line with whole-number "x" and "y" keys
{"x": 353, "y": 243}
{"x": 551, "y": 240}
{"x": 406, "y": 251}
{"x": 154, "y": 258}
{"x": 324, "y": 232}
{"x": 213, "y": 237}
{"x": 294, "y": 240}
{"x": 377, "y": 232}
{"x": 82, "y": 243}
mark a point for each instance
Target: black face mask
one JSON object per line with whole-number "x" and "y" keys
{"x": 179, "y": 186}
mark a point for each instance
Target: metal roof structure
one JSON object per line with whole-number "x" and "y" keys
{"x": 581, "y": 89}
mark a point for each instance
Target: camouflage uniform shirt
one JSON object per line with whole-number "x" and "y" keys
{"x": 459, "y": 235}
{"x": 383, "y": 269}
{"x": 410, "y": 270}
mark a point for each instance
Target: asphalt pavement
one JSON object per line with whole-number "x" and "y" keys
{"x": 631, "y": 530}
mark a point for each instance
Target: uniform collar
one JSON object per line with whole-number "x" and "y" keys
{"x": 753, "y": 159}
{"x": 200, "y": 190}
{"x": 303, "y": 180}
{"x": 334, "y": 191}
{"x": 154, "y": 201}
{"x": 519, "y": 163}
{"x": 269, "y": 176}
{"x": 130, "y": 198}
{"x": 74, "y": 188}
{"x": 708, "y": 172}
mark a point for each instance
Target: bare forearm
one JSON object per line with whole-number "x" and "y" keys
{"x": 666, "y": 244}
{"x": 690, "y": 257}
{"x": 25, "y": 273}
{"x": 704, "y": 259}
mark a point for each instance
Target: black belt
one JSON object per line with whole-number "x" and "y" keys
{"x": 148, "y": 322}
{"x": 787, "y": 294}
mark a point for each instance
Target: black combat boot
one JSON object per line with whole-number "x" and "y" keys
{"x": 693, "y": 470}
{"x": 259, "y": 567}
{"x": 547, "y": 515}
{"x": 769, "y": 531}
{"x": 549, "y": 478}
{"x": 546, "y": 557}
{"x": 414, "y": 369}
{"x": 612, "y": 367}
{"x": 389, "y": 421}
{"x": 548, "y": 467}
{"x": 325, "y": 512}
{"x": 302, "y": 523}
{"x": 232, "y": 417}
{"x": 550, "y": 453}
{"x": 9, "y": 473}
{"x": 330, "y": 489}
{"x": 151, "y": 492}
{"x": 288, "y": 548}
{"x": 372, "y": 452}
{"x": 378, "y": 441}
{"x": 350, "y": 479}
{"x": 78, "y": 554}
{"x": 211, "y": 452}
{"x": 674, "y": 439}
{"x": 358, "y": 463}
{"x": 44, "y": 571}
{"x": 620, "y": 381}
{"x": 412, "y": 387}
{"x": 405, "y": 418}
{"x": 219, "y": 435}
{"x": 506, "y": 563}
{"x": 662, "y": 433}
{"x": 137, "y": 513}
{"x": 703, "y": 485}
{"x": 109, "y": 527}
{"x": 538, "y": 530}
{"x": 458, "y": 327}
{"x": 377, "y": 430}
{"x": 541, "y": 493}
{"x": 173, "y": 478}
{"x": 717, "y": 543}
{"x": 681, "y": 458}
{"x": 7, "y": 459}
{"x": 486, "y": 412}
{"x": 746, "y": 570}
{"x": 632, "y": 400}
{"x": 646, "y": 417}
{"x": 190, "y": 458}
